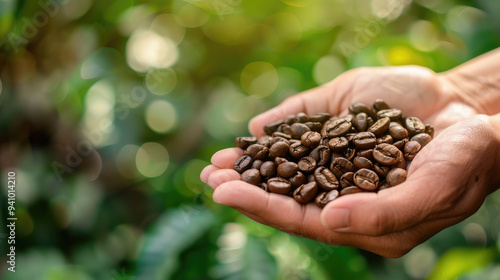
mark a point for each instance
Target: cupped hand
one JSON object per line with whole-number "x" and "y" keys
{"x": 446, "y": 183}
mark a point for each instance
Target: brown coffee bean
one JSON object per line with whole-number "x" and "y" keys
{"x": 310, "y": 178}
{"x": 401, "y": 163}
{"x": 279, "y": 185}
{"x": 366, "y": 179}
{"x": 359, "y": 107}
{"x": 307, "y": 164}
{"x": 321, "y": 154}
{"x": 279, "y": 149}
{"x": 298, "y": 129}
{"x": 396, "y": 176}
{"x": 414, "y": 125}
{"x": 272, "y": 127}
{"x": 252, "y": 176}
{"x": 325, "y": 179}
{"x": 386, "y": 138}
{"x": 314, "y": 126}
{"x": 397, "y": 131}
{"x": 302, "y": 117}
{"x": 268, "y": 169}
{"x": 257, "y": 163}
{"x": 320, "y": 117}
{"x": 310, "y": 139}
{"x": 429, "y": 129}
{"x": 383, "y": 185}
{"x": 280, "y": 160}
{"x": 401, "y": 143}
{"x": 422, "y": 138}
{"x": 244, "y": 142}
{"x": 264, "y": 141}
{"x": 365, "y": 153}
{"x": 336, "y": 128}
{"x": 257, "y": 151}
{"x": 393, "y": 114}
{"x": 347, "y": 179}
{"x": 288, "y": 169}
{"x": 380, "y": 126}
{"x": 263, "y": 186}
{"x": 386, "y": 154}
{"x": 364, "y": 140}
{"x": 381, "y": 170}
{"x": 284, "y": 128}
{"x": 350, "y": 190}
{"x": 297, "y": 150}
{"x": 359, "y": 122}
{"x": 323, "y": 198}
{"x": 411, "y": 149}
{"x": 361, "y": 162}
{"x": 349, "y": 153}
{"x": 242, "y": 164}
{"x": 340, "y": 166}
{"x": 338, "y": 144}
{"x": 290, "y": 119}
{"x": 305, "y": 193}
{"x": 277, "y": 139}
{"x": 298, "y": 179}
{"x": 282, "y": 135}
{"x": 379, "y": 104}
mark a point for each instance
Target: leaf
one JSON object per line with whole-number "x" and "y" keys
{"x": 173, "y": 232}
{"x": 456, "y": 262}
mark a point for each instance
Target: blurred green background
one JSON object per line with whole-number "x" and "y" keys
{"x": 109, "y": 110}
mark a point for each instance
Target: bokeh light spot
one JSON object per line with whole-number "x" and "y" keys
{"x": 161, "y": 116}
{"x": 147, "y": 49}
{"x": 226, "y": 30}
{"x": 152, "y": 159}
{"x": 327, "y": 68}
{"x": 424, "y": 35}
{"x": 161, "y": 81}
{"x": 388, "y": 9}
{"x": 125, "y": 161}
{"x": 166, "y": 26}
{"x": 420, "y": 261}
{"x": 259, "y": 79}
{"x": 191, "y": 16}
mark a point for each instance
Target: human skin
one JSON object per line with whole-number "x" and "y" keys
{"x": 447, "y": 181}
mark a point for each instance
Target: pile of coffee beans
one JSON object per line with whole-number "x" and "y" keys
{"x": 321, "y": 157}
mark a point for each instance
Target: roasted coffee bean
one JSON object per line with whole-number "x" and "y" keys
{"x": 290, "y": 119}
{"x": 302, "y": 118}
{"x": 369, "y": 122}
{"x": 386, "y": 154}
{"x": 401, "y": 163}
{"x": 279, "y": 149}
{"x": 257, "y": 163}
{"x": 268, "y": 169}
{"x": 411, "y": 149}
{"x": 401, "y": 143}
{"x": 362, "y": 162}
{"x": 323, "y": 198}
{"x": 321, "y": 154}
{"x": 414, "y": 125}
{"x": 358, "y": 107}
{"x": 284, "y": 128}
{"x": 288, "y": 169}
{"x": 385, "y": 139}
{"x": 338, "y": 144}
{"x": 350, "y": 137}
{"x": 326, "y": 179}
{"x": 393, "y": 114}
{"x": 244, "y": 142}
{"x": 381, "y": 170}
{"x": 307, "y": 164}
{"x": 279, "y": 185}
{"x": 336, "y": 128}
{"x": 349, "y": 117}
{"x": 397, "y": 131}
{"x": 297, "y": 150}
{"x": 379, "y": 104}
{"x": 380, "y": 126}
{"x": 298, "y": 129}
{"x": 347, "y": 180}
{"x": 429, "y": 130}
{"x": 310, "y": 139}
{"x": 252, "y": 176}
{"x": 349, "y": 153}
{"x": 310, "y": 178}
{"x": 365, "y": 153}
{"x": 383, "y": 185}
{"x": 320, "y": 117}
{"x": 396, "y": 176}
{"x": 340, "y": 166}
{"x": 282, "y": 135}
{"x": 263, "y": 186}
{"x": 264, "y": 140}
{"x": 272, "y": 127}
{"x": 350, "y": 190}
{"x": 257, "y": 151}
{"x": 298, "y": 179}
{"x": 280, "y": 160}
{"x": 314, "y": 126}
{"x": 359, "y": 122}
{"x": 242, "y": 164}
{"x": 275, "y": 140}
{"x": 364, "y": 140}
{"x": 422, "y": 138}
{"x": 366, "y": 179}
{"x": 305, "y": 193}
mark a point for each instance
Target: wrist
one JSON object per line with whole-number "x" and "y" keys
{"x": 494, "y": 122}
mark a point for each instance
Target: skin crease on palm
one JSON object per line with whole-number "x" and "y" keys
{"x": 447, "y": 181}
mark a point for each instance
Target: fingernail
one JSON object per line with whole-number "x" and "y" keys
{"x": 336, "y": 218}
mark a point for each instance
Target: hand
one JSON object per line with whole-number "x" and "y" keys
{"x": 447, "y": 181}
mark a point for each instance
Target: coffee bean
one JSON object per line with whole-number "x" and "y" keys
{"x": 284, "y": 128}
{"x": 396, "y": 176}
{"x": 349, "y": 117}
{"x": 242, "y": 164}
{"x": 397, "y": 131}
{"x": 275, "y": 140}
{"x": 326, "y": 179}
{"x": 414, "y": 125}
{"x": 359, "y": 107}
{"x": 411, "y": 149}
{"x": 310, "y": 139}
{"x": 366, "y": 179}
{"x": 321, "y": 154}
{"x": 302, "y": 117}
{"x": 336, "y": 128}
{"x": 288, "y": 169}
{"x": 257, "y": 163}
{"x": 381, "y": 170}
{"x": 297, "y": 150}
{"x": 280, "y": 160}
{"x": 422, "y": 138}
{"x": 268, "y": 169}
{"x": 347, "y": 180}
{"x": 298, "y": 179}
{"x": 320, "y": 117}
{"x": 338, "y": 144}
{"x": 429, "y": 130}
{"x": 279, "y": 149}
{"x": 359, "y": 122}
{"x": 349, "y": 153}
{"x": 350, "y": 137}
{"x": 264, "y": 140}
{"x": 365, "y": 153}
{"x": 257, "y": 151}
{"x": 298, "y": 129}
{"x": 307, "y": 164}
{"x": 364, "y": 140}
{"x": 305, "y": 193}
{"x": 263, "y": 186}
{"x": 386, "y": 138}
{"x": 244, "y": 142}
{"x": 386, "y": 154}
{"x": 350, "y": 190}
{"x": 279, "y": 185}
{"x": 340, "y": 166}
{"x": 379, "y": 104}
{"x": 401, "y": 143}
{"x": 393, "y": 114}
{"x": 401, "y": 163}
{"x": 272, "y": 127}
{"x": 362, "y": 162}
{"x": 282, "y": 135}
{"x": 252, "y": 176}
{"x": 290, "y": 119}
{"x": 310, "y": 178}
{"x": 323, "y": 198}
{"x": 314, "y": 126}
{"x": 380, "y": 126}
{"x": 383, "y": 185}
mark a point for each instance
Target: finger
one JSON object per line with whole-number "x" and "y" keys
{"x": 207, "y": 171}
{"x": 226, "y": 158}
{"x": 221, "y": 176}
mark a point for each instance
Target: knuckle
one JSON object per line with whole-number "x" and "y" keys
{"x": 378, "y": 224}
